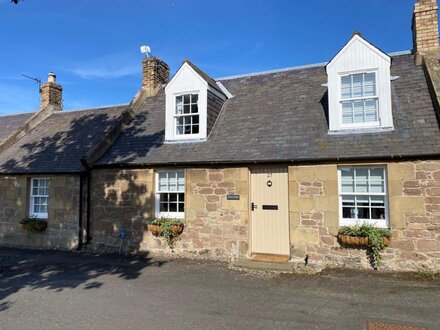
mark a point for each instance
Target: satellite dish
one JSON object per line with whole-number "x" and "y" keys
{"x": 146, "y": 50}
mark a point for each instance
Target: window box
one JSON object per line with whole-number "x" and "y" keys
{"x": 360, "y": 241}
{"x": 32, "y": 224}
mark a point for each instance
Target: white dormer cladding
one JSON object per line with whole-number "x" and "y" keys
{"x": 187, "y": 106}
{"x": 359, "y": 87}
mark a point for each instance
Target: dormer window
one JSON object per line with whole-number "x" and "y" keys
{"x": 359, "y": 99}
{"x": 359, "y": 89}
{"x": 187, "y": 114}
{"x": 193, "y": 103}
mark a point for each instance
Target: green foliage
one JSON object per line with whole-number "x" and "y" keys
{"x": 166, "y": 224}
{"x": 375, "y": 236}
{"x": 30, "y": 223}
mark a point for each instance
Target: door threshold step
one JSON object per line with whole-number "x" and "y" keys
{"x": 261, "y": 265}
{"x": 275, "y": 258}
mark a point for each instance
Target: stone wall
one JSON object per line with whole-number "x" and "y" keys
{"x": 414, "y": 203}
{"x": 215, "y": 227}
{"x": 120, "y": 199}
{"x": 62, "y": 229}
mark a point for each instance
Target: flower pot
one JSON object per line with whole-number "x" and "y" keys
{"x": 177, "y": 229}
{"x": 37, "y": 226}
{"x": 156, "y": 230}
{"x": 360, "y": 241}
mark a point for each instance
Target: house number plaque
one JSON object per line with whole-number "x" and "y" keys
{"x": 233, "y": 197}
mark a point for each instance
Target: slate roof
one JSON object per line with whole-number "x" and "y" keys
{"x": 10, "y": 123}
{"x": 58, "y": 143}
{"x": 282, "y": 116}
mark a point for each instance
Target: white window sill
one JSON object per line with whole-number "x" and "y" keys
{"x": 353, "y": 222}
{"x": 171, "y": 215}
{"x": 360, "y": 130}
{"x": 188, "y": 140}
{"x": 40, "y": 216}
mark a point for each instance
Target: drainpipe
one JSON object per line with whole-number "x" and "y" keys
{"x": 87, "y": 176}
{"x": 80, "y": 219}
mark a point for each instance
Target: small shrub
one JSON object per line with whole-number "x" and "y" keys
{"x": 375, "y": 239}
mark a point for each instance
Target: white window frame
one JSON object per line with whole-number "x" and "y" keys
{"x": 176, "y": 116}
{"x": 379, "y": 223}
{"x": 173, "y": 215}
{"x": 32, "y": 201}
{"x": 369, "y": 124}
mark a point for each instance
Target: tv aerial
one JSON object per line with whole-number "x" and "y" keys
{"x": 146, "y": 50}
{"x": 37, "y": 80}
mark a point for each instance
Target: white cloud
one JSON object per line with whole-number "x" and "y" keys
{"x": 109, "y": 67}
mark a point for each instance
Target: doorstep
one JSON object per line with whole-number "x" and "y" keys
{"x": 261, "y": 265}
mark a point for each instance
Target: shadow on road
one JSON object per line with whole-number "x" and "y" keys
{"x": 35, "y": 269}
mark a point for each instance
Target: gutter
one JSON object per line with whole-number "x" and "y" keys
{"x": 278, "y": 161}
{"x": 87, "y": 175}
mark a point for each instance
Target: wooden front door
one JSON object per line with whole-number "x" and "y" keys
{"x": 270, "y": 211}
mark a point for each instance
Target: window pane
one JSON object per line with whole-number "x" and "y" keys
{"x": 346, "y": 87}
{"x": 358, "y": 108}
{"x": 43, "y": 209}
{"x": 163, "y": 197}
{"x": 181, "y": 197}
{"x": 347, "y": 112}
{"x": 194, "y": 108}
{"x": 163, "y": 207}
{"x": 172, "y": 207}
{"x": 194, "y": 98}
{"x": 370, "y": 84}
{"x": 347, "y": 183}
{"x": 362, "y": 201}
{"x": 179, "y": 130}
{"x": 363, "y": 213}
{"x": 186, "y": 108}
{"x": 187, "y": 99}
{"x": 378, "y": 213}
{"x": 35, "y": 182}
{"x": 35, "y": 191}
{"x": 361, "y": 180}
{"x": 357, "y": 85}
{"x": 195, "y": 129}
{"x": 349, "y": 212}
{"x": 378, "y": 201}
{"x": 181, "y": 207}
{"x": 36, "y": 208}
{"x": 173, "y": 197}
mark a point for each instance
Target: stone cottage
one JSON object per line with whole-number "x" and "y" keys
{"x": 41, "y": 173}
{"x": 264, "y": 166}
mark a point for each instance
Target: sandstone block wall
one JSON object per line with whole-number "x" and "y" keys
{"x": 62, "y": 229}
{"x": 120, "y": 199}
{"x": 414, "y": 203}
{"x": 215, "y": 227}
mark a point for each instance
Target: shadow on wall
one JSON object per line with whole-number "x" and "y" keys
{"x": 32, "y": 270}
{"x": 122, "y": 199}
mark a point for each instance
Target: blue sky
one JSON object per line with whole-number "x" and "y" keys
{"x": 93, "y": 45}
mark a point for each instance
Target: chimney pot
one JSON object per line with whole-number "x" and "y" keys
{"x": 51, "y": 77}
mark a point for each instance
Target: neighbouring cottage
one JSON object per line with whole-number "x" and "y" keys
{"x": 266, "y": 164}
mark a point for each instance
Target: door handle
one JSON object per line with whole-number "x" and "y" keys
{"x": 253, "y": 207}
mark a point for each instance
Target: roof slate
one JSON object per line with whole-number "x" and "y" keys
{"x": 10, "y": 123}
{"x": 283, "y": 117}
{"x": 58, "y": 144}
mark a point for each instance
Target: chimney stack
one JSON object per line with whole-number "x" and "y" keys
{"x": 425, "y": 27}
{"x": 51, "y": 93}
{"x": 155, "y": 73}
